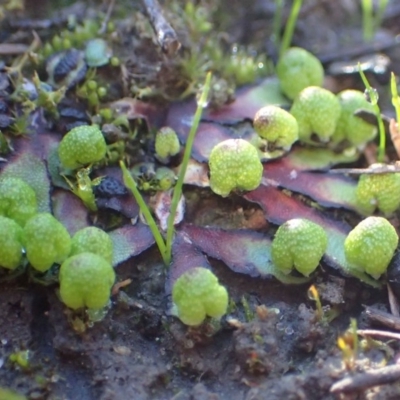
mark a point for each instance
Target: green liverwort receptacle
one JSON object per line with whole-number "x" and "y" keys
{"x": 378, "y": 191}
{"x": 92, "y": 240}
{"x": 46, "y": 241}
{"x": 317, "y": 111}
{"x": 197, "y": 294}
{"x": 277, "y": 126}
{"x": 10, "y": 243}
{"x": 166, "y": 143}
{"x": 350, "y": 127}
{"x": 86, "y": 280}
{"x": 234, "y": 164}
{"x": 17, "y": 200}
{"x": 81, "y": 146}
{"x": 300, "y": 244}
{"x": 370, "y": 246}
{"x": 298, "y": 69}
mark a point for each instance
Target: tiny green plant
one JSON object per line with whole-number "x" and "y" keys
{"x": 165, "y": 246}
{"x": 348, "y": 344}
{"x": 373, "y": 98}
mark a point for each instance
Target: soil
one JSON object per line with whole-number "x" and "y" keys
{"x": 271, "y": 345}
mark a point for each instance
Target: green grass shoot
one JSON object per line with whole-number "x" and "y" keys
{"x": 165, "y": 245}
{"x": 373, "y": 98}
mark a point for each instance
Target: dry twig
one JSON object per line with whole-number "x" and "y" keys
{"x": 166, "y": 35}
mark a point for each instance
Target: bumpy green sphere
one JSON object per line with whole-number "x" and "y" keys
{"x": 380, "y": 191}
{"x": 198, "y": 294}
{"x": 300, "y": 244}
{"x": 167, "y": 143}
{"x": 92, "y": 240}
{"x": 350, "y": 127}
{"x": 234, "y": 165}
{"x": 10, "y": 243}
{"x": 86, "y": 280}
{"x": 46, "y": 241}
{"x": 298, "y": 69}
{"x": 277, "y": 126}
{"x": 17, "y": 200}
{"x": 81, "y": 146}
{"x": 317, "y": 111}
{"x": 370, "y": 246}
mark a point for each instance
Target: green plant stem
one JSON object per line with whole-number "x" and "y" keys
{"x": 395, "y": 97}
{"x": 131, "y": 185}
{"x": 380, "y": 13}
{"x": 290, "y": 25}
{"x": 277, "y": 22}
{"x": 202, "y": 102}
{"x": 367, "y": 20}
{"x": 374, "y": 101}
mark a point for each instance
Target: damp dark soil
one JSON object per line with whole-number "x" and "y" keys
{"x": 272, "y": 344}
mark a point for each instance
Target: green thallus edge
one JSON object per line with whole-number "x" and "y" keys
{"x": 165, "y": 246}
{"x": 374, "y": 101}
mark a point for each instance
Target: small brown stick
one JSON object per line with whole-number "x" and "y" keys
{"x": 367, "y": 379}
{"x": 383, "y": 318}
{"x": 393, "y": 301}
{"x": 166, "y": 35}
{"x": 375, "y": 332}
